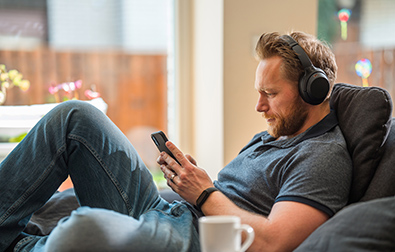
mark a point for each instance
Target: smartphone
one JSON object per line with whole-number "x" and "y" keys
{"x": 160, "y": 140}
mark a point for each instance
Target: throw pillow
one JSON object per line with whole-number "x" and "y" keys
{"x": 364, "y": 115}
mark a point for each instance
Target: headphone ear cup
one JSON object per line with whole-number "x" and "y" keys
{"x": 314, "y": 86}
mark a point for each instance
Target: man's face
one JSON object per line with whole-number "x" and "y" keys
{"x": 279, "y": 100}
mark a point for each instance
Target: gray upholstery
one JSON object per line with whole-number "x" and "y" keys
{"x": 383, "y": 182}
{"x": 360, "y": 227}
{"x": 46, "y": 218}
{"x": 364, "y": 115}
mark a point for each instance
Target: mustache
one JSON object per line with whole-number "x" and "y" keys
{"x": 267, "y": 117}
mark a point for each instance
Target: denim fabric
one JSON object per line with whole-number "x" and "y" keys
{"x": 110, "y": 181}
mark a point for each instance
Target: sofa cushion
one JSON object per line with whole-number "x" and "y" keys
{"x": 364, "y": 115}
{"x": 367, "y": 226}
{"x": 382, "y": 184}
{"x": 60, "y": 205}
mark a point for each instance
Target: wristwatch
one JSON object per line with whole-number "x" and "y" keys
{"x": 203, "y": 197}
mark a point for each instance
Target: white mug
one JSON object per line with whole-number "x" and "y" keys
{"x": 222, "y": 233}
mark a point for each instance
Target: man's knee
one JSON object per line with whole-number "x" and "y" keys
{"x": 76, "y": 105}
{"x": 75, "y": 111}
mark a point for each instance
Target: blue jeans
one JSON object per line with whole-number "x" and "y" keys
{"x": 121, "y": 208}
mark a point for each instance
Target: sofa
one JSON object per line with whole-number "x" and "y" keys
{"x": 367, "y": 223}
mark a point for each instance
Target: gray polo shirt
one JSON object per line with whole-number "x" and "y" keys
{"x": 313, "y": 168}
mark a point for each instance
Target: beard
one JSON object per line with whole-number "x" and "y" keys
{"x": 288, "y": 125}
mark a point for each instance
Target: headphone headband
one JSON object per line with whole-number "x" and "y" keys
{"x": 300, "y": 52}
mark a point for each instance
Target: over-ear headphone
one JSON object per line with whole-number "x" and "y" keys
{"x": 314, "y": 84}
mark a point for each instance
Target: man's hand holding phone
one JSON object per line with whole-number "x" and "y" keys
{"x": 160, "y": 140}
{"x": 180, "y": 170}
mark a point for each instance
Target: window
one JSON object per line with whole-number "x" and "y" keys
{"x": 83, "y": 49}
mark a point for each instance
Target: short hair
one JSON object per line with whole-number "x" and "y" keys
{"x": 272, "y": 44}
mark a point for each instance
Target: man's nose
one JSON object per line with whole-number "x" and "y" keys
{"x": 262, "y": 104}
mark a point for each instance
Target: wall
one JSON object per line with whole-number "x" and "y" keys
{"x": 199, "y": 64}
{"x": 216, "y": 71}
{"x": 244, "y": 22}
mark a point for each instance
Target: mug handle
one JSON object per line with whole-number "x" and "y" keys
{"x": 250, "y": 236}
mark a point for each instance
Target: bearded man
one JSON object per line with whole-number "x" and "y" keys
{"x": 284, "y": 183}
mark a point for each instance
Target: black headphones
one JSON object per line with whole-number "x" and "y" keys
{"x": 314, "y": 84}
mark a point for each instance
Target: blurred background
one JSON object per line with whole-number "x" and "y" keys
{"x": 182, "y": 66}
{"x": 115, "y": 48}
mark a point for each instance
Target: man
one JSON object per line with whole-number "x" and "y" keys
{"x": 285, "y": 183}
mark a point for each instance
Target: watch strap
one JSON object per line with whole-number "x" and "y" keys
{"x": 204, "y": 196}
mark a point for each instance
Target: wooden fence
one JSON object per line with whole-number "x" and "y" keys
{"x": 133, "y": 86}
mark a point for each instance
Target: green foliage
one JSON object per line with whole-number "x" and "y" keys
{"x": 9, "y": 79}
{"x": 328, "y": 28}
{"x": 18, "y": 138}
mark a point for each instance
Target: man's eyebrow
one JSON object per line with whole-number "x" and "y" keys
{"x": 267, "y": 90}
